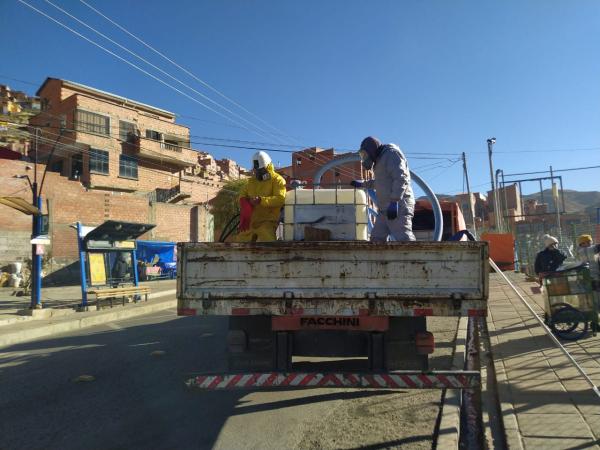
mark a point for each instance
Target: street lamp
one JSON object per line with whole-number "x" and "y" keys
{"x": 26, "y": 177}
{"x": 490, "y": 143}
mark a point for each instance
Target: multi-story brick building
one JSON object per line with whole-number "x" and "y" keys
{"x": 305, "y": 164}
{"x": 114, "y": 158}
{"x": 112, "y": 143}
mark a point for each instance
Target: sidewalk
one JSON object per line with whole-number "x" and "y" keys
{"x": 16, "y": 328}
{"x": 61, "y": 303}
{"x": 545, "y": 402}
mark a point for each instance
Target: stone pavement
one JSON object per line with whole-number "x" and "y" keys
{"x": 545, "y": 402}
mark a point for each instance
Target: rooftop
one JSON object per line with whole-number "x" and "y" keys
{"x": 98, "y": 92}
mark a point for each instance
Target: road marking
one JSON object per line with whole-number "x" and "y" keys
{"x": 84, "y": 378}
{"x": 144, "y": 344}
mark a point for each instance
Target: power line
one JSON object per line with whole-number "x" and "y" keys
{"x": 155, "y": 67}
{"x": 19, "y": 81}
{"x": 75, "y": 150}
{"x": 184, "y": 69}
{"x": 133, "y": 65}
{"x": 547, "y": 171}
{"x": 322, "y": 161}
{"x": 432, "y": 155}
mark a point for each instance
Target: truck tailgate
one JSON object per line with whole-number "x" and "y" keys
{"x": 333, "y": 278}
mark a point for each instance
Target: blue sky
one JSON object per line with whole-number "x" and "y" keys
{"x": 435, "y": 77}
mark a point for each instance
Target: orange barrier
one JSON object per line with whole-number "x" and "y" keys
{"x": 502, "y": 249}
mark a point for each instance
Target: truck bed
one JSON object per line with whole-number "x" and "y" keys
{"x": 348, "y": 278}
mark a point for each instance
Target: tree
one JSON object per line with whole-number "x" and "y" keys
{"x": 225, "y": 205}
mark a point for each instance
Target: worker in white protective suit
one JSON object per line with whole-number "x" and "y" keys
{"x": 395, "y": 198}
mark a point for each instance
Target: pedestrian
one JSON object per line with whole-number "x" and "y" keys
{"x": 264, "y": 194}
{"x": 120, "y": 269}
{"x": 588, "y": 252}
{"x": 395, "y": 198}
{"x": 549, "y": 259}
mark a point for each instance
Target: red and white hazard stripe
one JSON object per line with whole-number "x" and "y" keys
{"x": 389, "y": 380}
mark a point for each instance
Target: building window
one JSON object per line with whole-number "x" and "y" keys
{"x": 128, "y": 166}
{"x": 76, "y": 166}
{"x": 155, "y": 135}
{"x": 92, "y": 122}
{"x": 63, "y": 122}
{"x": 127, "y": 131}
{"x": 98, "y": 161}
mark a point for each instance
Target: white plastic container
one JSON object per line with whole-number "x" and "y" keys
{"x": 341, "y": 211}
{"x": 15, "y": 281}
{"x": 15, "y": 267}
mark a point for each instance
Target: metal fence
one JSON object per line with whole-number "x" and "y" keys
{"x": 529, "y": 240}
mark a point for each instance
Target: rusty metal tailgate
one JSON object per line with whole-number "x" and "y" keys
{"x": 353, "y": 272}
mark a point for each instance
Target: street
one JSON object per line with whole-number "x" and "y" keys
{"x": 137, "y": 397}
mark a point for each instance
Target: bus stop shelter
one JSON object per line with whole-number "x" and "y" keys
{"x": 99, "y": 249}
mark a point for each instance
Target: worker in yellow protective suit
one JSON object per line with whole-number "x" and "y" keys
{"x": 266, "y": 193}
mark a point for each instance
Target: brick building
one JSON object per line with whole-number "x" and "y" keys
{"x": 114, "y": 158}
{"x": 306, "y": 162}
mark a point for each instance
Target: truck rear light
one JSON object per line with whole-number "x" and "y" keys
{"x": 186, "y": 312}
{"x": 240, "y": 311}
{"x": 423, "y": 312}
{"x": 477, "y": 312}
{"x": 425, "y": 343}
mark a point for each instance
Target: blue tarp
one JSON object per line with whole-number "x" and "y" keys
{"x": 147, "y": 249}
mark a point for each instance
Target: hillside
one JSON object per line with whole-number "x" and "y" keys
{"x": 575, "y": 201}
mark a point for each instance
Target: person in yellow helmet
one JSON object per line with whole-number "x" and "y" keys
{"x": 265, "y": 192}
{"x": 588, "y": 252}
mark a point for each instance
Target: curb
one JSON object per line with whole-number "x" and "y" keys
{"x": 449, "y": 431}
{"x": 83, "y": 320}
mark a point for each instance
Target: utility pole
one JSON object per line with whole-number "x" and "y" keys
{"x": 36, "y": 228}
{"x": 464, "y": 159}
{"x": 555, "y": 199}
{"x": 36, "y": 260}
{"x": 490, "y": 143}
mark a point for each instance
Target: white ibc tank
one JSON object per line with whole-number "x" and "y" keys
{"x": 343, "y": 212}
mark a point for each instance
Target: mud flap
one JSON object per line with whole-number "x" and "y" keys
{"x": 250, "y": 344}
{"x": 400, "y": 350}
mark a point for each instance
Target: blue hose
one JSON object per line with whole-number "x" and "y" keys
{"x": 435, "y": 204}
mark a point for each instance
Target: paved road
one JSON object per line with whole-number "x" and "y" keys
{"x": 139, "y": 401}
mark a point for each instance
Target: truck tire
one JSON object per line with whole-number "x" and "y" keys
{"x": 400, "y": 350}
{"x": 250, "y": 344}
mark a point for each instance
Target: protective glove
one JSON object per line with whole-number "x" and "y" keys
{"x": 357, "y": 183}
{"x": 392, "y": 211}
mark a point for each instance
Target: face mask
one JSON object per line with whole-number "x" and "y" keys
{"x": 262, "y": 174}
{"x": 367, "y": 162}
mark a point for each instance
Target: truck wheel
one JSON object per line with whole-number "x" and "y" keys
{"x": 250, "y": 344}
{"x": 400, "y": 349}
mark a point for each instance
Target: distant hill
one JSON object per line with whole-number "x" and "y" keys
{"x": 575, "y": 201}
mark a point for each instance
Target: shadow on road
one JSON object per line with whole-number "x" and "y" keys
{"x": 138, "y": 398}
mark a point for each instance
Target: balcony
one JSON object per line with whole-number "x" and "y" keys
{"x": 164, "y": 152}
{"x": 177, "y": 193}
